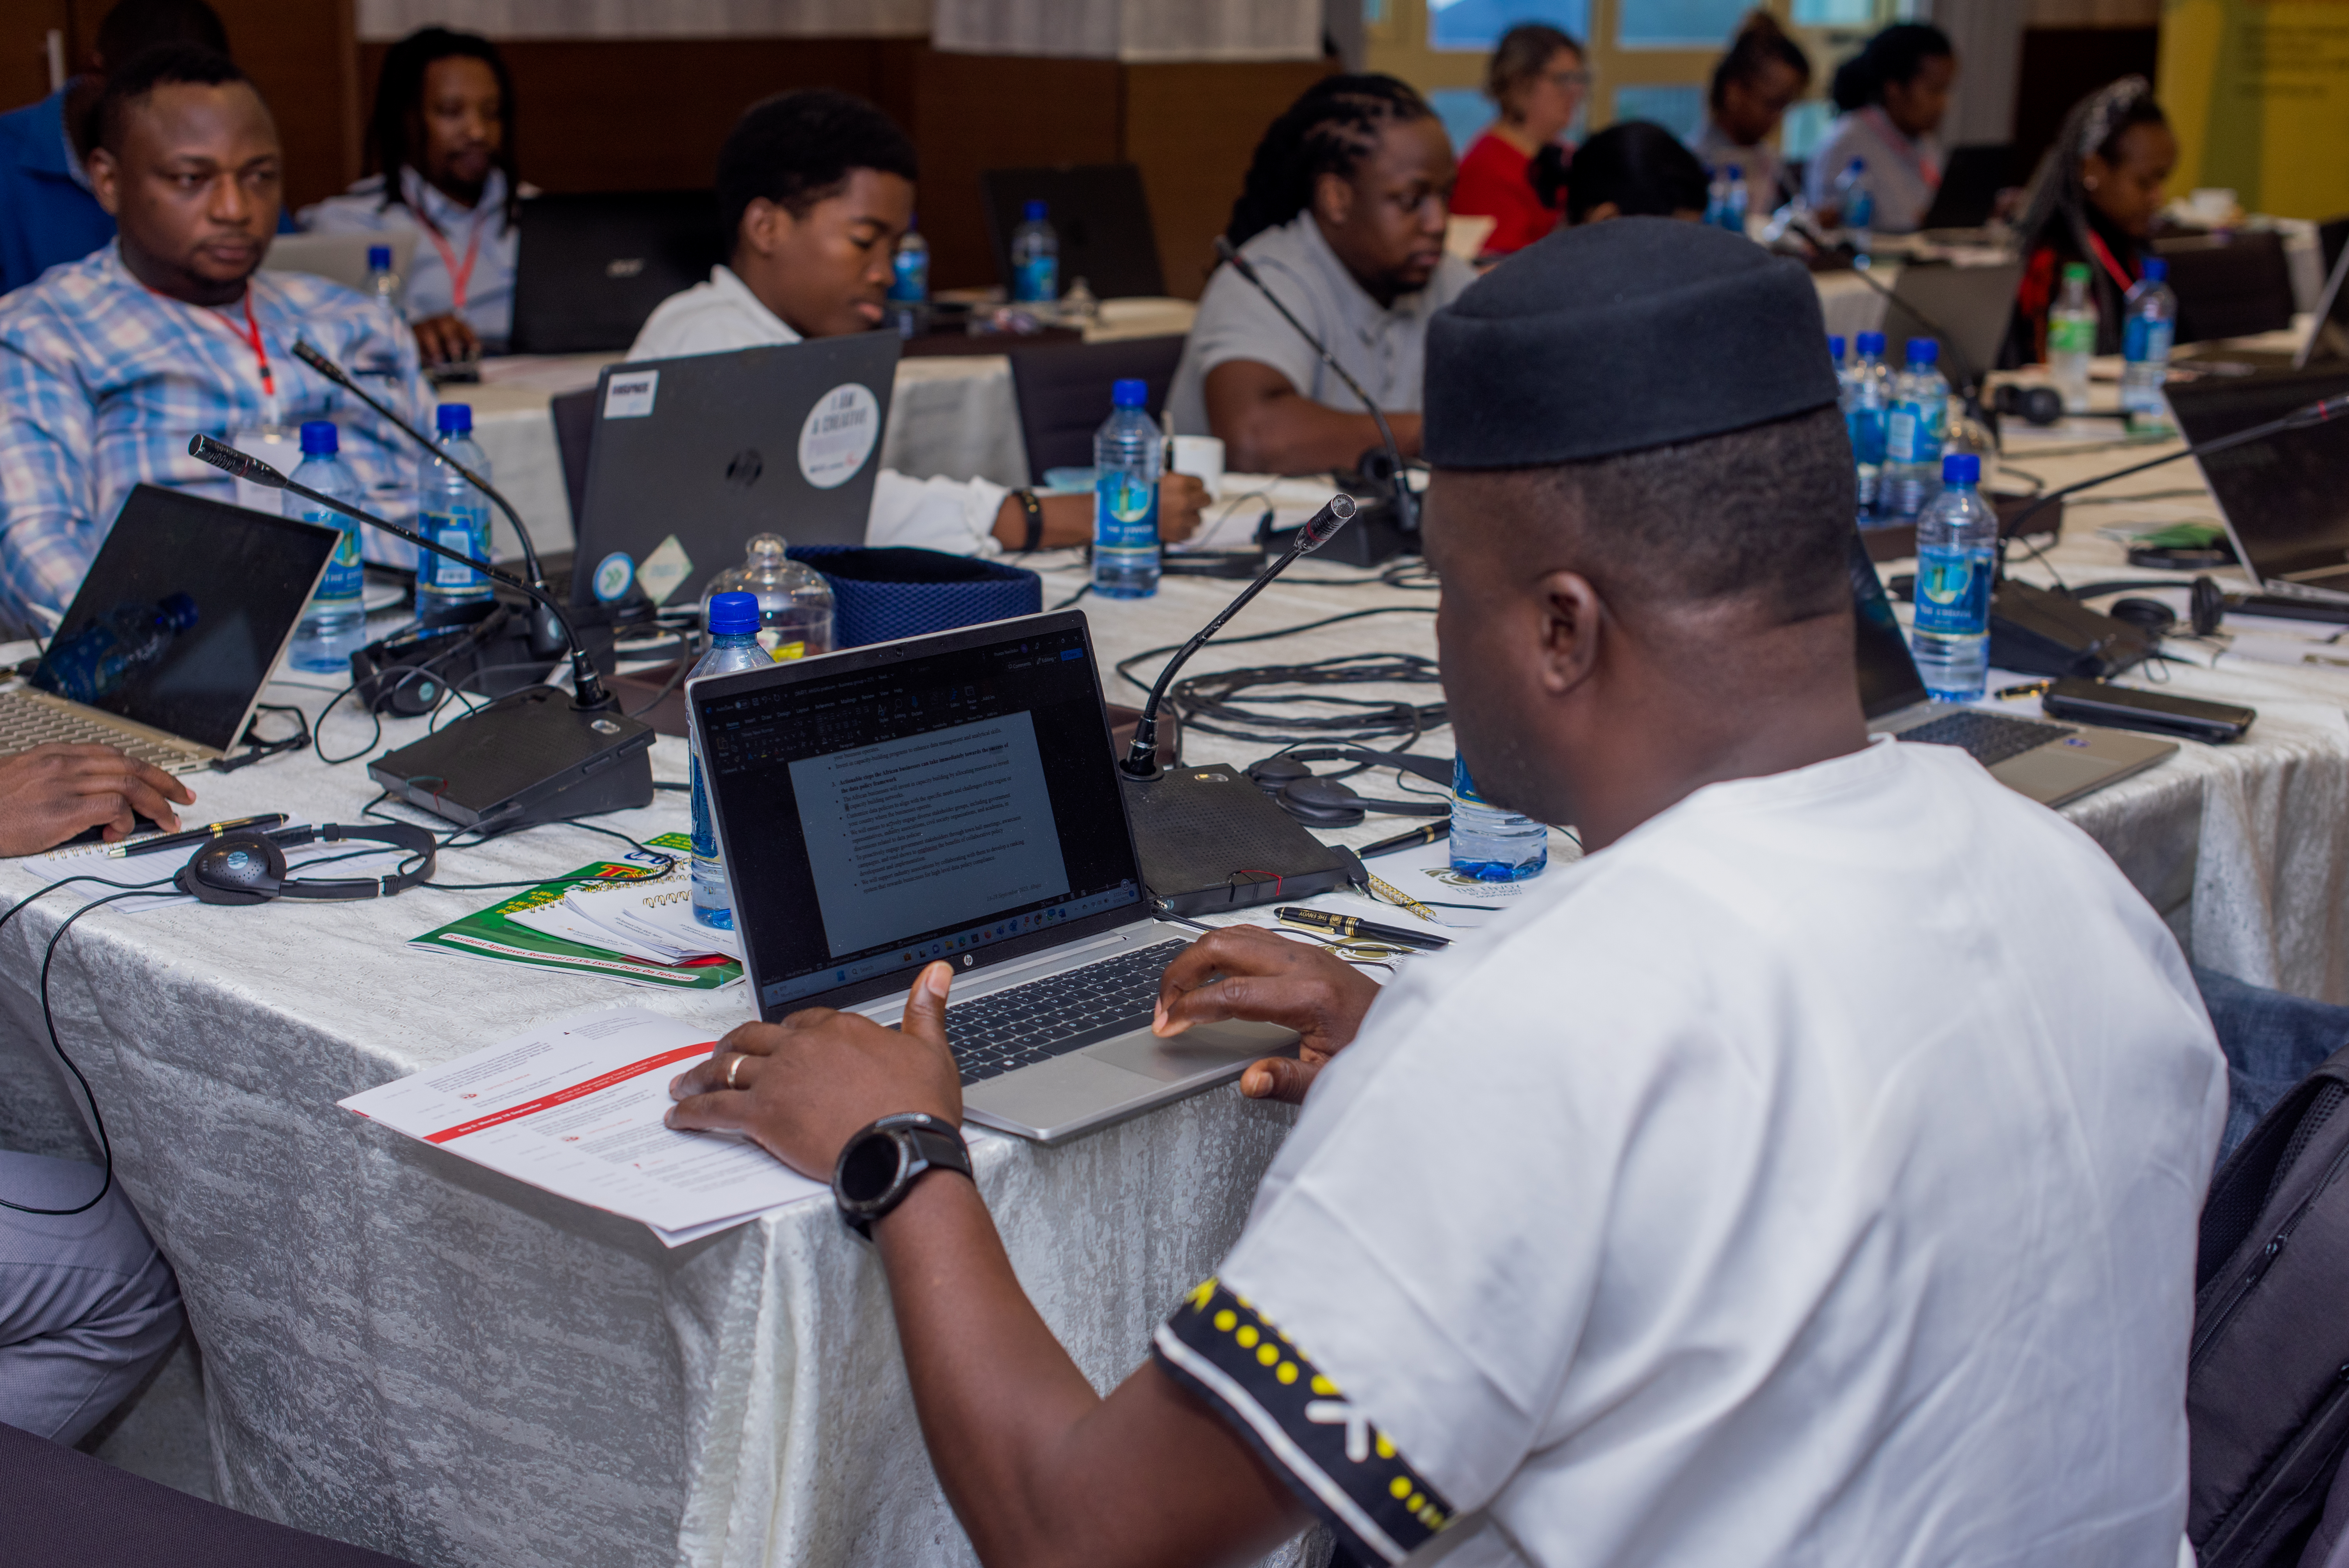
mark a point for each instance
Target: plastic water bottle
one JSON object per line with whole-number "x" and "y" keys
{"x": 1489, "y": 843}
{"x": 1871, "y": 401}
{"x": 2072, "y": 339}
{"x": 451, "y": 512}
{"x": 909, "y": 282}
{"x": 2148, "y": 328}
{"x": 384, "y": 284}
{"x": 334, "y": 624}
{"x": 1035, "y": 258}
{"x": 1716, "y": 195}
{"x": 1914, "y": 429}
{"x": 733, "y": 645}
{"x": 1957, "y": 545}
{"x": 1128, "y": 456}
{"x": 1734, "y": 200}
{"x": 1857, "y": 204}
{"x": 94, "y": 663}
{"x": 794, "y": 601}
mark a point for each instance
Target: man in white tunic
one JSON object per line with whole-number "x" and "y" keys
{"x": 1809, "y": 1174}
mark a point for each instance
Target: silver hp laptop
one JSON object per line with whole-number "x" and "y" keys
{"x": 690, "y": 459}
{"x": 955, "y": 797}
{"x": 2284, "y": 500}
{"x": 179, "y": 622}
{"x": 340, "y": 258}
{"x": 2052, "y": 763}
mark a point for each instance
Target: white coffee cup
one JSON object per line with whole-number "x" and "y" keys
{"x": 1201, "y": 457}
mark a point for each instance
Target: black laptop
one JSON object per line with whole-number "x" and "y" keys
{"x": 2284, "y": 500}
{"x": 1100, "y": 216}
{"x": 590, "y": 267}
{"x": 1971, "y": 183}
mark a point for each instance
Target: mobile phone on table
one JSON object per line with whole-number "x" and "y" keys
{"x": 2157, "y": 712}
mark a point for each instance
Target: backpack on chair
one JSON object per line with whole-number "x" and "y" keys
{"x": 2266, "y": 1390}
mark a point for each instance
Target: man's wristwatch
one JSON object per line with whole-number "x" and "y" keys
{"x": 1035, "y": 511}
{"x": 880, "y": 1165}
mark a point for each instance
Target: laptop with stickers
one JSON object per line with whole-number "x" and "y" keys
{"x": 692, "y": 457}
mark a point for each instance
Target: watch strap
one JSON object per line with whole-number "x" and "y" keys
{"x": 929, "y": 1143}
{"x": 1035, "y": 511}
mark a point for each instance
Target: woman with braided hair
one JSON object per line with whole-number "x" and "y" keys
{"x": 1343, "y": 219}
{"x": 2093, "y": 200}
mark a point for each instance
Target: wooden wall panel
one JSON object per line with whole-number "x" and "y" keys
{"x": 1192, "y": 128}
{"x": 23, "y": 48}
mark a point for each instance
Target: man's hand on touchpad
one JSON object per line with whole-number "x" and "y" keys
{"x": 1246, "y": 972}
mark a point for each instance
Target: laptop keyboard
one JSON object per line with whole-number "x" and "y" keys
{"x": 1989, "y": 739}
{"x": 26, "y": 722}
{"x": 1024, "y": 1025}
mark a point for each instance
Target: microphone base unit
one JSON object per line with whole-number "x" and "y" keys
{"x": 1211, "y": 842}
{"x": 2040, "y": 632}
{"x": 530, "y": 756}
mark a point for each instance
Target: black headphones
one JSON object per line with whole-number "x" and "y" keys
{"x": 1323, "y": 802}
{"x": 250, "y": 868}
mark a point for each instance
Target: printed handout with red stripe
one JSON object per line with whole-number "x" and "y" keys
{"x": 573, "y": 1107}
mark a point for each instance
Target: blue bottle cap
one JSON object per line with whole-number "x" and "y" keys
{"x": 1924, "y": 351}
{"x": 1856, "y": 165}
{"x": 1835, "y": 348}
{"x": 2155, "y": 269}
{"x": 1032, "y": 212}
{"x": 1130, "y": 393}
{"x": 1737, "y": 172}
{"x": 1961, "y": 468}
{"x": 1871, "y": 343}
{"x": 378, "y": 258}
{"x": 320, "y": 438}
{"x": 733, "y": 614}
{"x": 457, "y": 418}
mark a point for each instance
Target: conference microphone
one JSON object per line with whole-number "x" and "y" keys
{"x": 1406, "y": 503}
{"x": 1141, "y": 758}
{"x": 545, "y": 629}
{"x": 588, "y": 694}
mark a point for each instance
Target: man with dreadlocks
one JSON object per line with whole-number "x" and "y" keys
{"x": 1342, "y": 217}
{"x": 2092, "y": 202}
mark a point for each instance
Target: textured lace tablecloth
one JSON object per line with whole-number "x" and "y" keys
{"x": 403, "y": 1350}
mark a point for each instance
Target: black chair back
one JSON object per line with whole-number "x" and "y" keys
{"x": 2228, "y": 285}
{"x": 1063, "y": 390}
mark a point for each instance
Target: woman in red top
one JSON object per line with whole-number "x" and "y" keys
{"x": 1537, "y": 79}
{"x": 2094, "y": 200}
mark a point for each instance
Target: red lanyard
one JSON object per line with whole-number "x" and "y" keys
{"x": 458, "y": 276}
{"x": 2104, "y": 254}
{"x": 250, "y": 338}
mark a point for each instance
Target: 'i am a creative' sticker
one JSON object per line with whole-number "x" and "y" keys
{"x": 840, "y": 433}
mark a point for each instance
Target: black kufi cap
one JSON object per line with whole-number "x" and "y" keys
{"x": 1611, "y": 337}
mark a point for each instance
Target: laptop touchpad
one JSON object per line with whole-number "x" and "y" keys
{"x": 1202, "y": 1048}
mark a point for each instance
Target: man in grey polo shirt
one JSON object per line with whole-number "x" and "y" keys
{"x": 1342, "y": 217}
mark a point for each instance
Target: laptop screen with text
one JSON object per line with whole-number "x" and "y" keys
{"x": 883, "y": 811}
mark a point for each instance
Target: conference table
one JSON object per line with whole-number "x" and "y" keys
{"x": 404, "y": 1350}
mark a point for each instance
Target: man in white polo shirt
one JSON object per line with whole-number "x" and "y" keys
{"x": 1809, "y": 1174}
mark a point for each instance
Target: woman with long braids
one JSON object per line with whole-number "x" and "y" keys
{"x": 1342, "y": 218}
{"x": 2094, "y": 200}
{"x": 441, "y": 141}
{"x": 1892, "y": 96}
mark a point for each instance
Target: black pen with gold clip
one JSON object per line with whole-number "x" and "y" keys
{"x": 1350, "y": 926}
{"x": 202, "y": 835}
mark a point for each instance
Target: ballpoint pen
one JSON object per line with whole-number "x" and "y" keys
{"x": 1425, "y": 833}
{"x": 1350, "y": 926}
{"x": 196, "y": 835}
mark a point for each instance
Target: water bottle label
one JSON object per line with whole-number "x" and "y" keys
{"x": 1038, "y": 279}
{"x": 1861, "y": 209}
{"x": 1913, "y": 435}
{"x": 1125, "y": 513}
{"x": 1868, "y": 436}
{"x": 910, "y": 278}
{"x": 2146, "y": 341}
{"x": 705, "y": 834}
{"x": 2071, "y": 334}
{"x": 346, "y": 578}
{"x": 1953, "y": 590}
{"x": 453, "y": 532}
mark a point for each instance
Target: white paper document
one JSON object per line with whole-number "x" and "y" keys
{"x": 573, "y": 1107}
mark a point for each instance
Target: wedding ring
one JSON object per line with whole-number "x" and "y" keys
{"x": 731, "y": 1069}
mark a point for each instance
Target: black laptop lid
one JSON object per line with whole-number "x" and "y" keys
{"x": 590, "y": 267}
{"x": 945, "y": 797}
{"x": 692, "y": 457}
{"x": 1970, "y": 181}
{"x": 184, "y": 614}
{"x": 1888, "y": 681}
{"x": 2286, "y": 498}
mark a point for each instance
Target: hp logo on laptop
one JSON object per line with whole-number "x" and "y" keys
{"x": 624, "y": 266}
{"x": 745, "y": 467}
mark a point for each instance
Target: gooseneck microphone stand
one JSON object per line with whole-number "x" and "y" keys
{"x": 588, "y": 693}
{"x": 1141, "y": 758}
{"x": 545, "y": 626}
{"x": 1406, "y": 503}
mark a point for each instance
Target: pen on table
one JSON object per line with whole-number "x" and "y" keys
{"x": 2028, "y": 688}
{"x": 1425, "y": 833}
{"x": 1348, "y": 925}
{"x": 196, "y": 835}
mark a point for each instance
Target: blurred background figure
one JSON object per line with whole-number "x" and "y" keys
{"x": 441, "y": 141}
{"x": 1635, "y": 168}
{"x": 2094, "y": 200}
{"x": 1890, "y": 98}
{"x": 1755, "y": 83}
{"x": 1537, "y": 79}
{"x": 48, "y": 213}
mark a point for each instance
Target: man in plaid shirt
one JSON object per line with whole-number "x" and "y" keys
{"x": 108, "y": 365}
